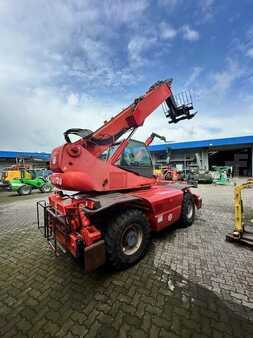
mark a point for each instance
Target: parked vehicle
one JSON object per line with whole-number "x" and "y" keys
{"x": 119, "y": 200}
{"x": 29, "y": 181}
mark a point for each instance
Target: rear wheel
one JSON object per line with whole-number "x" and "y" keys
{"x": 25, "y": 190}
{"x": 46, "y": 188}
{"x": 127, "y": 238}
{"x": 188, "y": 210}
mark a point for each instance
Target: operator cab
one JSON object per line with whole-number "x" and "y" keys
{"x": 135, "y": 158}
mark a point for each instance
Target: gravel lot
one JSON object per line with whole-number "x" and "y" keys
{"x": 191, "y": 284}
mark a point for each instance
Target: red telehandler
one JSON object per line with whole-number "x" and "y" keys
{"x": 117, "y": 200}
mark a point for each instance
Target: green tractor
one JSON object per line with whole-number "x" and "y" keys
{"x": 25, "y": 185}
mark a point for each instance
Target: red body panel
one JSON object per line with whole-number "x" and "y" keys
{"x": 165, "y": 204}
{"x": 162, "y": 205}
{"x": 88, "y": 173}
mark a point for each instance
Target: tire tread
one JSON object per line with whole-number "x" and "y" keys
{"x": 184, "y": 220}
{"x": 113, "y": 235}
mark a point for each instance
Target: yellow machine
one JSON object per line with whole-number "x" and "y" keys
{"x": 157, "y": 170}
{"x": 10, "y": 174}
{"x": 240, "y": 233}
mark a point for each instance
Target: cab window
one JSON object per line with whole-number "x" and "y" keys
{"x": 136, "y": 158}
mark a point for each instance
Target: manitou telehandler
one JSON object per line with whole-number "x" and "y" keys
{"x": 118, "y": 200}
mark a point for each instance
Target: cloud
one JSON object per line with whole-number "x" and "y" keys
{"x": 78, "y": 45}
{"x": 207, "y": 9}
{"x": 137, "y": 46}
{"x": 189, "y": 33}
{"x": 250, "y": 34}
{"x": 53, "y": 72}
{"x": 124, "y": 11}
{"x": 243, "y": 45}
{"x": 213, "y": 91}
{"x": 224, "y": 79}
{"x": 168, "y": 4}
{"x": 72, "y": 99}
{"x": 250, "y": 52}
{"x": 167, "y": 32}
{"x": 246, "y": 46}
{"x": 214, "y": 88}
{"x": 36, "y": 120}
{"x": 194, "y": 75}
{"x": 76, "y": 63}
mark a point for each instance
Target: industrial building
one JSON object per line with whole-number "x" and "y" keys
{"x": 37, "y": 159}
{"x": 234, "y": 151}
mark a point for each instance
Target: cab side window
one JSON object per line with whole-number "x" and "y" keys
{"x": 136, "y": 158}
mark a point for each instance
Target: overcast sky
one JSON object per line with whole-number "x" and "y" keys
{"x": 67, "y": 64}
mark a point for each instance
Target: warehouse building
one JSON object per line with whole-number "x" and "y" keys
{"x": 37, "y": 159}
{"x": 234, "y": 151}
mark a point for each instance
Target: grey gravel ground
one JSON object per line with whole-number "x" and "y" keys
{"x": 191, "y": 284}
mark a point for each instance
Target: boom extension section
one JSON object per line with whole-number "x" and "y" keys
{"x": 134, "y": 116}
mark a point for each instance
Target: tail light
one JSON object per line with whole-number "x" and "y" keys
{"x": 91, "y": 204}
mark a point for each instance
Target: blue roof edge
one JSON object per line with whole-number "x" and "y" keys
{"x": 237, "y": 140}
{"x": 24, "y": 154}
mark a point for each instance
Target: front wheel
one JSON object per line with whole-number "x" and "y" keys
{"x": 25, "y": 190}
{"x": 127, "y": 238}
{"x": 46, "y": 188}
{"x": 188, "y": 210}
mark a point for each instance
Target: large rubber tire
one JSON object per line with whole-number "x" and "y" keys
{"x": 188, "y": 210}
{"x": 46, "y": 188}
{"x": 120, "y": 237}
{"x": 25, "y": 190}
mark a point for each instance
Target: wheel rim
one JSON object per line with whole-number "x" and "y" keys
{"x": 131, "y": 239}
{"x": 189, "y": 211}
{"x": 47, "y": 188}
{"x": 25, "y": 190}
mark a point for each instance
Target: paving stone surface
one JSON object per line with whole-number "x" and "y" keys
{"x": 191, "y": 283}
